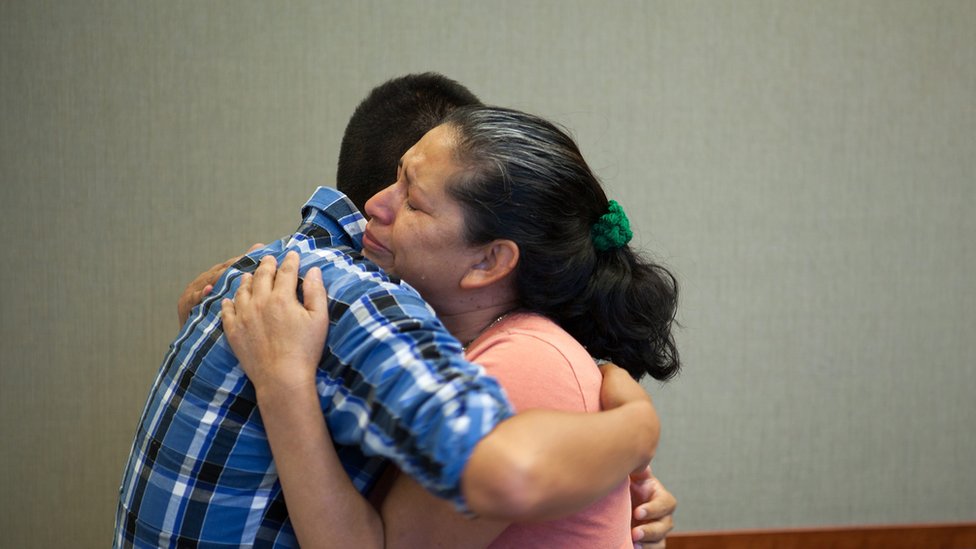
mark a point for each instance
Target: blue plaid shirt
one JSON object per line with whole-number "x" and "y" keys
{"x": 393, "y": 385}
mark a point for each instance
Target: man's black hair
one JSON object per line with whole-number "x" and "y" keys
{"x": 394, "y": 116}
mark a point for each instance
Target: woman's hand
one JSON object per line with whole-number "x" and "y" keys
{"x": 653, "y": 504}
{"x": 619, "y": 388}
{"x": 654, "y": 509}
{"x": 277, "y": 339}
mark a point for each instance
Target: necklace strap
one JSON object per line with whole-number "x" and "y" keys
{"x": 464, "y": 347}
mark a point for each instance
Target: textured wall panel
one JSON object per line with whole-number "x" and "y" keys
{"x": 807, "y": 169}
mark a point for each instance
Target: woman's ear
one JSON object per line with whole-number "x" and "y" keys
{"x": 497, "y": 260}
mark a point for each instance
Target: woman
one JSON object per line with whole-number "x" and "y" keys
{"x": 497, "y": 221}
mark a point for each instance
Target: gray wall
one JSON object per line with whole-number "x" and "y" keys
{"x": 806, "y": 168}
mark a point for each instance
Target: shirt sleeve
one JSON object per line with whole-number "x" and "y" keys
{"x": 397, "y": 385}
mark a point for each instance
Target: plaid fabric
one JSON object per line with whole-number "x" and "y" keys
{"x": 393, "y": 385}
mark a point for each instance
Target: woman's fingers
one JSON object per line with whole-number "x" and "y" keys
{"x": 264, "y": 276}
{"x": 243, "y": 295}
{"x": 286, "y": 280}
{"x": 229, "y": 314}
{"x": 654, "y": 518}
{"x": 273, "y": 288}
{"x": 316, "y": 299}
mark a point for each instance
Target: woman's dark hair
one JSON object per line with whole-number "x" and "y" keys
{"x": 524, "y": 179}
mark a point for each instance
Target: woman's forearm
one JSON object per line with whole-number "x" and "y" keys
{"x": 542, "y": 464}
{"x": 325, "y": 508}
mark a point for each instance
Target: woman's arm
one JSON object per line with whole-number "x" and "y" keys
{"x": 325, "y": 508}
{"x": 412, "y": 517}
{"x": 603, "y": 447}
{"x": 523, "y": 468}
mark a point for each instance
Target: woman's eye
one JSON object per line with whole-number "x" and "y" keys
{"x": 408, "y": 205}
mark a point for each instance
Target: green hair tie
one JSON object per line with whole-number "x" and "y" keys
{"x": 612, "y": 230}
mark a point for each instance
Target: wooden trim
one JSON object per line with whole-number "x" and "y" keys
{"x": 895, "y": 536}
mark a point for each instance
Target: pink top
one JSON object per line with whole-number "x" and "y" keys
{"x": 541, "y": 366}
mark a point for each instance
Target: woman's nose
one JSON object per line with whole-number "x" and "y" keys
{"x": 380, "y": 206}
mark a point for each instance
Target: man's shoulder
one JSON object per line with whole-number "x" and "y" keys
{"x": 334, "y": 204}
{"x": 329, "y": 219}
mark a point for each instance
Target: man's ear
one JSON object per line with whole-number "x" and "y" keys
{"x": 497, "y": 260}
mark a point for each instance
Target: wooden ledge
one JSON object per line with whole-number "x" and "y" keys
{"x": 894, "y": 536}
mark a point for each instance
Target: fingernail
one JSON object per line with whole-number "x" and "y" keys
{"x": 640, "y": 513}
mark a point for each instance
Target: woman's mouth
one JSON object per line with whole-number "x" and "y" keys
{"x": 371, "y": 244}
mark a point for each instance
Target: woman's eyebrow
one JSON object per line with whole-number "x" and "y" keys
{"x": 403, "y": 172}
